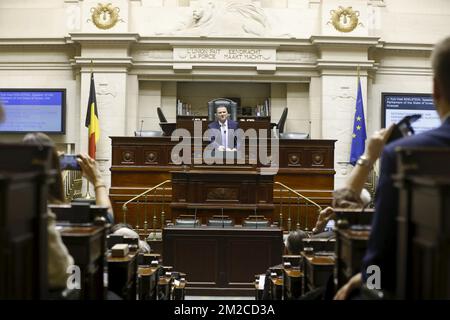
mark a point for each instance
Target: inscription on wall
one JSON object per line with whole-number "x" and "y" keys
{"x": 224, "y": 54}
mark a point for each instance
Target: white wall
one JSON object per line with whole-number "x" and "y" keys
{"x": 297, "y": 100}
{"x": 149, "y": 100}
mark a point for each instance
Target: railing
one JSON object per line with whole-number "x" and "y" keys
{"x": 72, "y": 183}
{"x": 145, "y": 202}
{"x": 298, "y": 197}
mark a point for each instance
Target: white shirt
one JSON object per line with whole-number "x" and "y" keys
{"x": 224, "y": 133}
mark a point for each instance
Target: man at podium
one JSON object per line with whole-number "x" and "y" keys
{"x": 222, "y": 131}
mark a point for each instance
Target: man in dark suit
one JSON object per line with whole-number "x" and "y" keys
{"x": 223, "y": 130}
{"x": 381, "y": 249}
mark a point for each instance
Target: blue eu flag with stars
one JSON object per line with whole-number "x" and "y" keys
{"x": 359, "y": 129}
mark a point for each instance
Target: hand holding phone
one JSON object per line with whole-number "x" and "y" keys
{"x": 403, "y": 128}
{"x": 69, "y": 162}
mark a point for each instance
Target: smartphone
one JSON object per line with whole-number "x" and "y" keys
{"x": 69, "y": 162}
{"x": 403, "y": 128}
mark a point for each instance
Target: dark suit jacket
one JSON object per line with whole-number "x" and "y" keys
{"x": 232, "y": 125}
{"x": 381, "y": 249}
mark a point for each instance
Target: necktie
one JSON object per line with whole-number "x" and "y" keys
{"x": 224, "y": 136}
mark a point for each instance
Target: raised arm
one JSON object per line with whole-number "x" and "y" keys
{"x": 90, "y": 171}
{"x": 373, "y": 150}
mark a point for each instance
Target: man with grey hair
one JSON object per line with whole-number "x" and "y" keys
{"x": 381, "y": 249}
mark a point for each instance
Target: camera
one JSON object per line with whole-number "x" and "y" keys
{"x": 403, "y": 128}
{"x": 69, "y": 162}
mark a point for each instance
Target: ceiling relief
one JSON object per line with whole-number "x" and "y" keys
{"x": 230, "y": 18}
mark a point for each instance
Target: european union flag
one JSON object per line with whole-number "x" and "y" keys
{"x": 359, "y": 129}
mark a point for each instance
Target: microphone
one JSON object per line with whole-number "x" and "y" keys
{"x": 142, "y": 124}
{"x": 309, "y": 130}
{"x": 256, "y": 219}
{"x": 195, "y": 217}
{"x": 223, "y": 222}
{"x": 226, "y": 138}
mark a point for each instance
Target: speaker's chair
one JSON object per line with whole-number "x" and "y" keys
{"x": 281, "y": 122}
{"x": 161, "y": 116}
{"x": 229, "y": 104}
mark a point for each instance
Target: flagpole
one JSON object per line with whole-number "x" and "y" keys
{"x": 358, "y": 72}
{"x": 88, "y": 194}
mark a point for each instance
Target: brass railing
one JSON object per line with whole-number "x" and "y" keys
{"x": 145, "y": 202}
{"x": 298, "y": 197}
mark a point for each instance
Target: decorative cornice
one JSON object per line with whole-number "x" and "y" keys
{"x": 102, "y": 63}
{"x": 166, "y": 68}
{"x": 344, "y": 41}
{"x": 339, "y": 64}
{"x": 250, "y": 76}
{"x": 410, "y": 71}
{"x": 35, "y": 66}
{"x": 102, "y": 38}
{"x": 32, "y": 41}
{"x": 222, "y": 41}
{"x": 406, "y": 46}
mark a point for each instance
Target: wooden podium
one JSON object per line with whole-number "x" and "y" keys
{"x": 237, "y": 191}
{"x": 222, "y": 261}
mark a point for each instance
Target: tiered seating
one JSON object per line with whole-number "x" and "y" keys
{"x": 171, "y": 285}
{"x": 149, "y": 270}
{"x": 86, "y": 244}
{"x": 133, "y": 275}
{"x": 352, "y": 235}
{"x": 318, "y": 268}
{"x": 122, "y": 274}
{"x": 293, "y": 277}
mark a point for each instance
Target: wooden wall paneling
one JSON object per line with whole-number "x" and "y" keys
{"x": 315, "y": 175}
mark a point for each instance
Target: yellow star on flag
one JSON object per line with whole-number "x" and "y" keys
{"x": 358, "y": 127}
{"x": 358, "y": 118}
{"x": 353, "y": 135}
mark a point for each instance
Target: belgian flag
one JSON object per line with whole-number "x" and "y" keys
{"x": 92, "y": 119}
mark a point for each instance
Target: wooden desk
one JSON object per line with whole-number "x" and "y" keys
{"x": 240, "y": 191}
{"x": 221, "y": 261}
{"x": 87, "y": 247}
{"x": 292, "y": 283}
{"x": 276, "y": 287}
{"x": 351, "y": 247}
{"x": 147, "y": 282}
{"x": 164, "y": 286}
{"x": 320, "y": 244}
{"x": 122, "y": 275}
{"x": 179, "y": 290}
{"x": 318, "y": 269}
